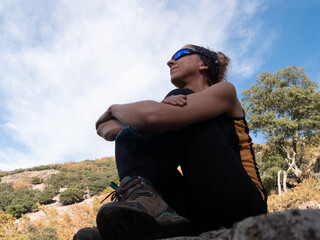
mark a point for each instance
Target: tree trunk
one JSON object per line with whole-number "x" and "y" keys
{"x": 285, "y": 181}
{"x": 279, "y": 182}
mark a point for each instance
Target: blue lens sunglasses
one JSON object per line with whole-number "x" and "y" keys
{"x": 184, "y": 52}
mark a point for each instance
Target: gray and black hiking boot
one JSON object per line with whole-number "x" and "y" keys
{"x": 138, "y": 212}
{"x": 88, "y": 234}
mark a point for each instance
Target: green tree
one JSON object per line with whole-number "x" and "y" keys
{"x": 285, "y": 108}
{"x": 270, "y": 162}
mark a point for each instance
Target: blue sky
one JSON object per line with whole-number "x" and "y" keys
{"x": 64, "y": 62}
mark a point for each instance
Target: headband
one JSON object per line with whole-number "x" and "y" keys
{"x": 210, "y": 60}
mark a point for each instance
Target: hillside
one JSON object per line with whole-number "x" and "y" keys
{"x": 34, "y": 200}
{"x": 60, "y": 215}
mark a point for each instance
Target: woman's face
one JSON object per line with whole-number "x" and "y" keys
{"x": 185, "y": 68}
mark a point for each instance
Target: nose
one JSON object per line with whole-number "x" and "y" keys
{"x": 171, "y": 62}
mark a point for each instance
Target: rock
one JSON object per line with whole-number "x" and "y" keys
{"x": 287, "y": 225}
{"x": 44, "y": 174}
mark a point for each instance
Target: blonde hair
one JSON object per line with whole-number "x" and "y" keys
{"x": 223, "y": 61}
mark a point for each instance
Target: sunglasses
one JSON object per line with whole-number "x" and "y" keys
{"x": 184, "y": 52}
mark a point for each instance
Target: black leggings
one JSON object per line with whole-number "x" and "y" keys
{"x": 215, "y": 190}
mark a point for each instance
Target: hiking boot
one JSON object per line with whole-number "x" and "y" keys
{"x": 88, "y": 234}
{"x": 138, "y": 212}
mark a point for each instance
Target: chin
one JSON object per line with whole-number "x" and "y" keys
{"x": 177, "y": 83}
{"x": 178, "y": 80}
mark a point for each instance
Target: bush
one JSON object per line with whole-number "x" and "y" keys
{"x": 36, "y": 233}
{"x": 5, "y": 187}
{"x": 6, "y": 190}
{"x": 36, "y": 180}
{"x": 71, "y": 196}
{"x": 97, "y": 182}
{"x": 57, "y": 180}
{"x": 24, "y": 183}
{"x": 46, "y": 196}
{"x": 23, "y": 201}
{"x": 305, "y": 195}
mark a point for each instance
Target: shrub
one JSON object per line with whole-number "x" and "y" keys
{"x": 24, "y": 183}
{"x": 36, "y": 180}
{"x": 6, "y": 190}
{"x": 6, "y": 187}
{"x": 36, "y": 233}
{"x": 57, "y": 180}
{"x": 304, "y": 195}
{"x": 71, "y": 195}
{"x": 46, "y": 196}
{"x": 97, "y": 182}
{"x": 23, "y": 201}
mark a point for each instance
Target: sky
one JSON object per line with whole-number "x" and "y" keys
{"x": 63, "y": 63}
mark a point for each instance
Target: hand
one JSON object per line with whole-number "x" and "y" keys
{"x": 102, "y": 130}
{"x": 109, "y": 129}
{"x": 176, "y": 100}
{"x": 106, "y": 116}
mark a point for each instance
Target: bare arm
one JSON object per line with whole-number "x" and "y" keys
{"x": 109, "y": 129}
{"x": 157, "y": 117}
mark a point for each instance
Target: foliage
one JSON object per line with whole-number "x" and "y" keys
{"x": 22, "y": 201}
{"x": 46, "y": 196}
{"x": 97, "y": 182}
{"x": 5, "y": 192}
{"x": 284, "y": 105}
{"x": 57, "y": 180}
{"x": 304, "y": 196}
{"x": 36, "y": 233}
{"x": 37, "y": 168}
{"x": 285, "y": 108}
{"x": 23, "y": 184}
{"x": 8, "y": 230}
{"x": 36, "y": 180}
{"x": 269, "y": 162}
{"x": 71, "y": 195}
{"x": 19, "y": 198}
{"x": 51, "y": 226}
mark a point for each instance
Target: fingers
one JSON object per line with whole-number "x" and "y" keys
{"x": 100, "y": 130}
{"x": 176, "y": 100}
{"x": 99, "y": 122}
{"x": 103, "y": 118}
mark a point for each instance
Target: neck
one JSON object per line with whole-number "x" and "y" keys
{"x": 197, "y": 86}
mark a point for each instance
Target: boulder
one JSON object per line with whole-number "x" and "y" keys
{"x": 287, "y": 225}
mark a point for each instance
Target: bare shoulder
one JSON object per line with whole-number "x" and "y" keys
{"x": 224, "y": 85}
{"x": 223, "y": 89}
{"x": 226, "y": 92}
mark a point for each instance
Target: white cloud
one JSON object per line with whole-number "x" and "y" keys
{"x": 63, "y": 63}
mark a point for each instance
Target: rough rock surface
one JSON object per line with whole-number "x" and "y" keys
{"x": 287, "y": 225}
{"x": 44, "y": 174}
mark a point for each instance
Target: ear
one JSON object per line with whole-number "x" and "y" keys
{"x": 203, "y": 67}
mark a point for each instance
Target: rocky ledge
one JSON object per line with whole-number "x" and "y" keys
{"x": 287, "y": 225}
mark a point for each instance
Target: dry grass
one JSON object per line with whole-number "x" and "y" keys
{"x": 306, "y": 195}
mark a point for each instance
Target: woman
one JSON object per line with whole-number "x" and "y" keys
{"x": 201, "y": 127}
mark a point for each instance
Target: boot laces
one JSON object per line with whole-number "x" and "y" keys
{"x": 118, "y": 193}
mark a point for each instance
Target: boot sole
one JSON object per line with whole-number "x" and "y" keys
{"x": 122, "y": 222}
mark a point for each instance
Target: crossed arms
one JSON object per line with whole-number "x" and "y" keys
{"x": 170, "y": 114}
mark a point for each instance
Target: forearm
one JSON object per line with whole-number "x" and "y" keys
{"x": 109, "y": 129}
{"x": 147, "y": 116}
{"x": 135, "y": 114}
{"x": 158, "y": 117}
